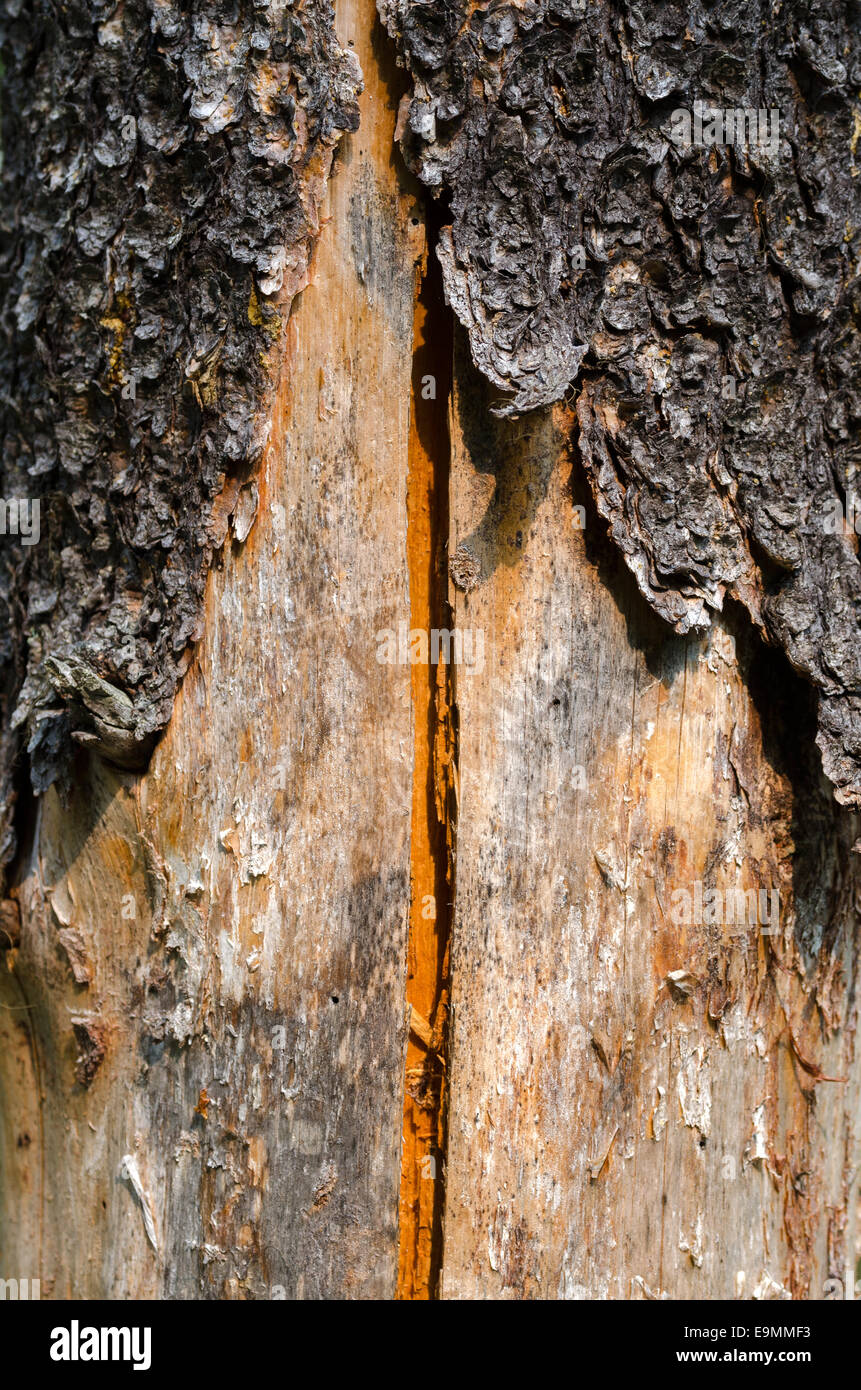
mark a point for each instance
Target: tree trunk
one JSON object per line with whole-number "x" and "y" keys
{"x": 330, "y": 972}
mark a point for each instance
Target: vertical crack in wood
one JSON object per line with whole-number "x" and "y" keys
{"x": 431, "y": 869}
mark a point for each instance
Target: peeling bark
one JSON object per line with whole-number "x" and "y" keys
{"x": 164, "y": 168}
{"x": 703, "y": 300}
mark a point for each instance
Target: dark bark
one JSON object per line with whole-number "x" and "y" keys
{"x": 703, "y": 302}
{"x": 164, "y": 165}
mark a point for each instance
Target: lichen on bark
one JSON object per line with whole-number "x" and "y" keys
{"x": 700, "y": 300}
{"x": 164, "y": 168}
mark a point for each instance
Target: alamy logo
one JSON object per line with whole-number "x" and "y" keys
{"x": 734, "y": 907}
{"x": 20, "y": 1288}
{"x": 836, "y": 519}
{"x": 19, "y": 516}
{"x": 76, "y": 1343}
{"x": 416, "y": 647}
{"x": 741, "y": 126}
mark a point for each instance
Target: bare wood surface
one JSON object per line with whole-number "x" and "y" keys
{"x": 637, "y": 1107}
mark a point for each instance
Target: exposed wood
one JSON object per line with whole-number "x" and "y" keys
{"x": 428, "y": 985}
{"x": 630, "y": 1114}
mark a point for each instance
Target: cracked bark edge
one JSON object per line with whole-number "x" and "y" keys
{"x": 704, "y": 300}
{"x": 163, "y": 174}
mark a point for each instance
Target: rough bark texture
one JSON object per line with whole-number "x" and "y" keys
{"x": 164, "y": 167}
{"x": 589, "y": 244}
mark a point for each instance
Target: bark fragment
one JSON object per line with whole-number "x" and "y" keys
{"x": 92, "y": 1043}
{"x": 704, "y": 297}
